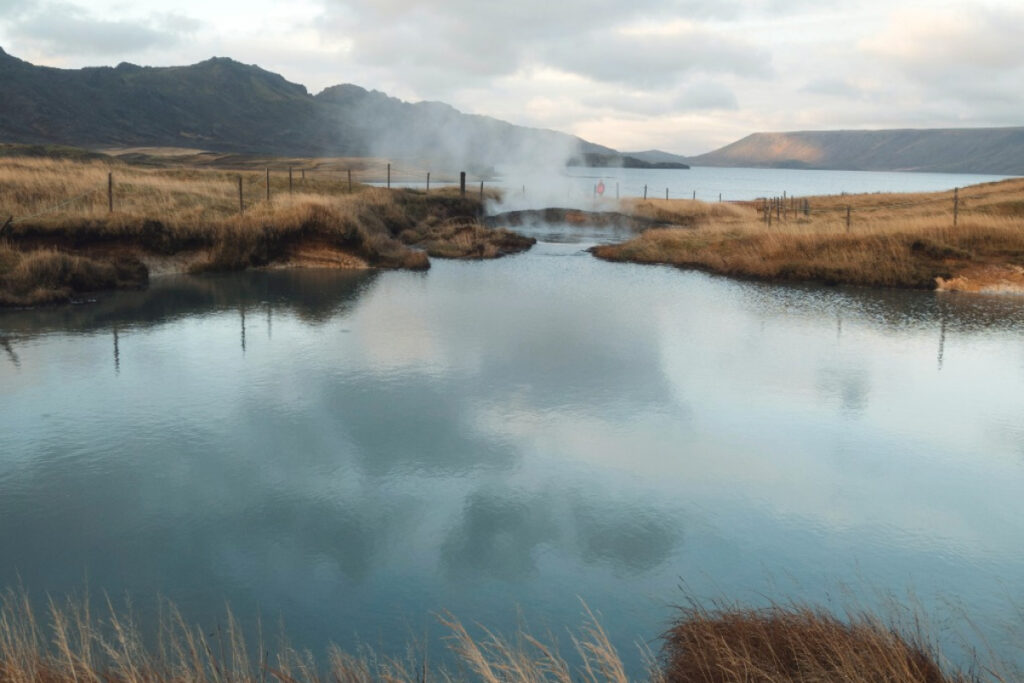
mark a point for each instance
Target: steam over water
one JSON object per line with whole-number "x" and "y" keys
{"x": 525, "y": 187}
{"x": 352, "y": 452}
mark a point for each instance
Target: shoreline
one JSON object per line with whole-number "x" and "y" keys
{"x": 974, "y": 279}
{"x": 970, "y": 240}
{"x": 966, "y": 241}
{"x": 204, "y": 225}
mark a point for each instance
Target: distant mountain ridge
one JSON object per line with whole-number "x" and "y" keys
{"x": 223, "y": 105}
{"x": 998, "y": 151}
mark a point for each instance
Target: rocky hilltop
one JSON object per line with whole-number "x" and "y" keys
{"x": 223, "y": 105}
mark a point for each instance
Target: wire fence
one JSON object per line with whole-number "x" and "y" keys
{"x": 252, "y": 187}
{"x": 784, "y": 209}
{"x": 255, "y": 186}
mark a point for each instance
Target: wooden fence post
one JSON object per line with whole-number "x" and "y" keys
{"x": 666, "y": 193}
{"x": 695, "y": 195}
{"x": 481, "y": 192}
{"x": 645, "y": 192}
{"x": 847, "y": 218}
{"x": 110, "y": 192}
{"x": 350, "y": 181}
{"x": 956, "y": 205}
{"x": 428, "y": 181}
{"x": 268, "y": 184}
{"x": 389, "y": 176}
{"x": 462, "y": 183}
{"x": 241, "y": 204}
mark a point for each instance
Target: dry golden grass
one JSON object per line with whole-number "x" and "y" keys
{"x": 892, "y": 240}
{"x": 797, "y": 645}
{"x": 70, "y": 643}
{"x": 685, "y": 212}
{"x": 46, "y": 276}
{"x": 163, "y": 211}
{"x": 53, "y": 194}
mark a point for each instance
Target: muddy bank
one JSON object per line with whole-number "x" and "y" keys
{"x": 985, "y": 279}
{"x": 466, "y": 240}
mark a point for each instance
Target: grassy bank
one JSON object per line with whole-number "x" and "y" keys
{"x": 73, "y": 642}
{"x": 891, "y": 240}
{"x": 65, "y": 240}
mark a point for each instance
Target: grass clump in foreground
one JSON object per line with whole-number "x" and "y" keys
{"x": 893, "y": 240}
{"x": 723, "y": 645}
{"x": 794, "y": 644}
{"x": 189, "y": 219}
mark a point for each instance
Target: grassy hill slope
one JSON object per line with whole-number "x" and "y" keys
{"x": 954, "y": 150}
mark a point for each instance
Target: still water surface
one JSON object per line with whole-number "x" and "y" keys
{"x": 353, "y": 452}
{"x": 575, "y": 186}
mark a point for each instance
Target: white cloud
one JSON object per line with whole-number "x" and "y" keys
{"x": 684, "y": 75}
{"x": 934, "y": 41}
{"x": 66, "y": 29}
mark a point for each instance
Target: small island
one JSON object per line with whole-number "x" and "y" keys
{"x": 598, "y": 160}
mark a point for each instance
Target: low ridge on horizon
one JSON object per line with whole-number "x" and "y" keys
{"x": 998, "y": 151}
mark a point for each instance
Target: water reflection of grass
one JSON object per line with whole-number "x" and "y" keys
{"x": 723, "y": 644}
{"x": 893, "y": 240}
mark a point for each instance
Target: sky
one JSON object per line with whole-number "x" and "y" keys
{"x": 685, "y": 76}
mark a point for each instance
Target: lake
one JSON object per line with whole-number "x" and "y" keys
{"x": 355, "y": 452}
{"x": 575, "y": 186}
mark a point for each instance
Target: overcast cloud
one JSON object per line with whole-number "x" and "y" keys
{"x": 681, "y": 75}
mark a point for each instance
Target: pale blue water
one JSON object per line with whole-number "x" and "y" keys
{"x": 750, "y": 183}
{"x": 575, "y": 186}
{"x": 354, "y": 453}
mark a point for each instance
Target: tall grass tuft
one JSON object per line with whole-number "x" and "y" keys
{"x": 72, "y": 644}
{"x": 799, "y": 644}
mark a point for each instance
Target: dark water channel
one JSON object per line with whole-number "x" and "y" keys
{"x": 353, "y": 453}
